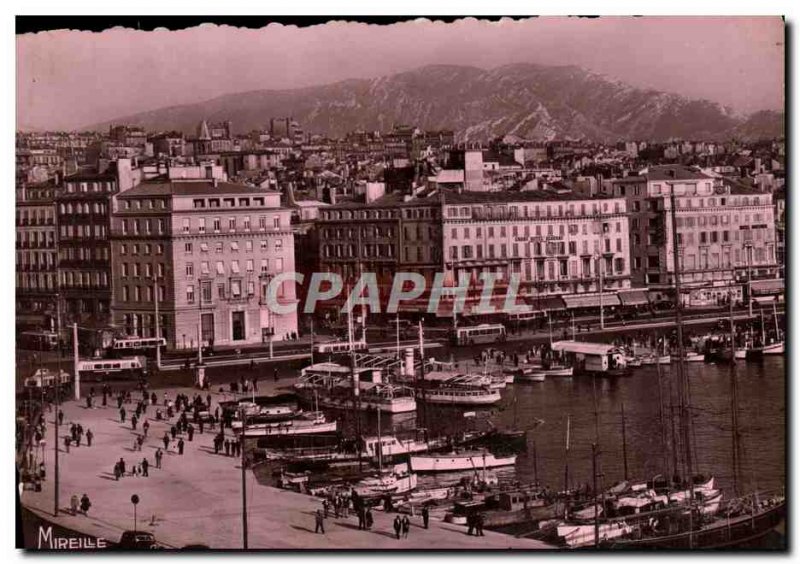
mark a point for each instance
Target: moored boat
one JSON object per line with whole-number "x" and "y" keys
{"x": 454, "y": 462}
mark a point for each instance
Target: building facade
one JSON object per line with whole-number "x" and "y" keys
{"x": 83, "y": 213}
{"x": 36, "y": 258}
{"x": 557, "y": 244}
{"x": 725, "y": 233}
{"x": 213, "y": 249}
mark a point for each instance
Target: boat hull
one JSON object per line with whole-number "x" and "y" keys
{"x": 456, "y": 463}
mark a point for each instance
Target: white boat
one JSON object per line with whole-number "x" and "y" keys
{"x": 531, "y": 377}
{"x": 307, "y": 424}
{"x": 509, "y": 377}
{"x": 330, "y": 385}
{"x": 740, "y": 354}
{"x": 773, "y": 348}
{"x": 462, "y": 396}
{"x": 391, "y": 446}
{"x": 557, "y": 370}
{"x": 583, "y": 535}
{"x": 390, "y": 481}
{"x": 664, "y": 359}
{"x": 455, "y": 462}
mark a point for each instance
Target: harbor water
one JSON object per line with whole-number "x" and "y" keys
{"x": 542, "y": 409}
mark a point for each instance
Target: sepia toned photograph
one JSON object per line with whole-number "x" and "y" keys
{"x": 380, "y": 284}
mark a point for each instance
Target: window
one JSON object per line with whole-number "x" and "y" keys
{"x": 220, "y": 268}
{"x": 189, "y": 270}
{"x": 278, "y": 245}
{"x": 204, "y": 267}
{"x": 251, "y": 288}
{"x": 247, "y": 223}
{"x": 250, "y": 266}
{"x": 218, "y": 247}
{"x": 276, "y": 222}
{"x": 248, "y": 246}
{"x": 221, "y": 291}
{"x": 232, "y": 224}
{"x": 264, "y": 266}
{"x": 125, "y": 294}
{"x": 186, "y": 225}
{"x": 124, "y": 269}
{"x": 263, "y": 245}
{"x": 234, "y": 247}
{"x": 187, "y": 248}
{"x": 201, "y": 225}
{"x": 236, "y": 288}
{"x": 235, "y": 266}
{"x": 216, "y": 224}
{"x": 262, "y": 222}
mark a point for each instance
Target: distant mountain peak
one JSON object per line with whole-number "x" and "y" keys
{"x": 530, "y": 100}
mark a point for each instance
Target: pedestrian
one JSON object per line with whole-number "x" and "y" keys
{"x": 227, "y": 447}
{"x": 173, "y": 431}
{"x": 425, "y": 516}
{"x": 134, "y": 421}
{"x": 319, "y": 522}
{"x": 166, "y": 440}
{"x": 200, "y": 424}
{"x": 398, "y": 524}
{"x": 85, "y": 504}
{"x": 145, "y": 468}
{"x": 479, "y": 524}
{"x": 190, "y": 432}
{"x": 122, "y": 413}
{"x": 73, "y": 504}
{"x": 146, "y": 427}
{"x": 121, "y": 466}
{"x": 159, "y": 454}
{"x": 275, "y": 374}
{"x": 180, "y": 446}
{"x": 117, "y": 473}
{"x": 60, "y": 417}
{"x": 140, "y": 442}
{"x": 362, "y": 518}
{"x": 369, "y": 519}
{"x": 216, "y": 444}
{"x": 325, "y": 507}
{"x": 88, "y": 402}
{"x": 470, "y": 523}
{"x": 89, "y": 437}
{"x": 67, "y": 441}
{"x": 406, "y": 526}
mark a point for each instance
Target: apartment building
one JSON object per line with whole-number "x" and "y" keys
{"x": 36, "y": 259}
{"x": 208, "y": 251}
{"x": 725, "y": 232}
{"x": 556, "y": 243}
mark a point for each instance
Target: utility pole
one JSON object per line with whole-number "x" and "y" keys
{"x": 75, "y": 360}
{"x": 58, "y": 407}
{"x": 594, "y": 488}
{"x": 158, "y": 327}
{"x": 244, "y": 481}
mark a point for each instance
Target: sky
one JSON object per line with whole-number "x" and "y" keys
{"x": 68, "y": 79}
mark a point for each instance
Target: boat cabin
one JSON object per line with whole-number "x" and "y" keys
{"x": 592, "y": 357}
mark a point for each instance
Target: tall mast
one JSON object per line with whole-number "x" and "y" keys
{"x": 734, "y": 408}
{"x": 683, "y": 395}
{"x": 624, "y": 445}
{"x": 58, "y": 407}
{"x": 777, "y": 329}
{"x": 661, "y": 419}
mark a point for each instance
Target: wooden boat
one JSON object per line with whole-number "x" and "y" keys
{"x": 455, "y": 462}
{"x": 306, "y": 424}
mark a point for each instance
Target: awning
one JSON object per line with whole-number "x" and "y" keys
{"x": 578, "y": 301}
{"x": 633, "y": 297}
{"x": 545, "y": 303}
{"x": 767, "y": 287}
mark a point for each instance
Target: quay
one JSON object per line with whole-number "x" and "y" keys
{"x": 196, "y": 497}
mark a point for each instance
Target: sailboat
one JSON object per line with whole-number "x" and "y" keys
{"x": 703, "y": 520}
{"x": 776, "y": 347}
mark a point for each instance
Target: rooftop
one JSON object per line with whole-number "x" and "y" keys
{"x": 673, "y": 172}
{"x": 191, "y": 188}
{"x": 524, "y": 196}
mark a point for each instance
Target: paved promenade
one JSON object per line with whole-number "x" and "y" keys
{"x": 196, "y": 497}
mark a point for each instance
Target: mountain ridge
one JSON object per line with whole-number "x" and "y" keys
{"x": 529, "y": 100}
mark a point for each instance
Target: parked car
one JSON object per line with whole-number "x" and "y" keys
{"x": 137, "y": 540}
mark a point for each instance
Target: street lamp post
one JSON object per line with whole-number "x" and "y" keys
{"x": 135, "y": 502}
